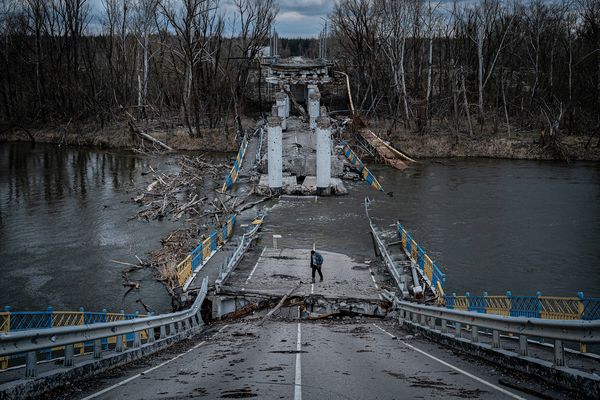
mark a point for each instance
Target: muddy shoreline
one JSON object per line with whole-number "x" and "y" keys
{"x": 120, "y": 137}
{"x": 422, "y": 146}
{"x": 517, "y": 147}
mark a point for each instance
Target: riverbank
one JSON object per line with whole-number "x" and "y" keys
{"x": 518, "y": 145}
{"x": 521, "y": 147}
{"x": 119, "y": 136}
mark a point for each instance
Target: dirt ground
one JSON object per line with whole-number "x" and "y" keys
{"x": 118, "y": 135}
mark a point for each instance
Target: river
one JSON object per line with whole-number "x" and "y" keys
{"x": 492, "y": 225}
{"x": 63, "y": 217}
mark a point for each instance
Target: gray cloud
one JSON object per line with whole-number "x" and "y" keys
{"x": 295, "y": 18}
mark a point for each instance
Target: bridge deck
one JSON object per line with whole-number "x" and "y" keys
{"x": 278, "y": 270}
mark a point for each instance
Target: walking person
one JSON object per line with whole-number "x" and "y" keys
{"x": 316, "y": 261}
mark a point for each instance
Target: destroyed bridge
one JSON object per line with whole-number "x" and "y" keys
{"x": 379, "y": 325}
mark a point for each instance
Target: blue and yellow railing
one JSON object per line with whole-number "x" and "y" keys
{"x": 14, "y": 321}
{"x": 360, "y": 167}
{"x": 237, "y": 165}
{"x": 203, "y": 252}
{"x": 434, "y": 277}
{"x": 538, "y": 306}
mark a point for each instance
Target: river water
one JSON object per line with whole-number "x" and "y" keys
{"x": 492, "y": 225}
{"x": 63, "y": 217}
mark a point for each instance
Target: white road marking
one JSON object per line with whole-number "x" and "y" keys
{"x": 298, "y": 380}
{"x": 384, "y": 331}
{"x": 255, "y": 265}
{"x": 478, "y": 379}
{"x": 312, "y": 288}
{"x": 126, "y": 381}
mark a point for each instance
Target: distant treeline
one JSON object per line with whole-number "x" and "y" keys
{"x": 485, "y": 65}
{"x": 466, "y": 66}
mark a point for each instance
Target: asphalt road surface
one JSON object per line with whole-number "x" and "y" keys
{"x": 347, "y": 359}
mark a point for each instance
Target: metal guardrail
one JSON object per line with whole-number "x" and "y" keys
{"x": 199, "y": 256}
{"x": 538, "y": 306}
{"x": 233, "y": 259}
{"x": 237, "y": 165}
{"x": 556, "y": 331}
{"x": 429, "y": 270}
{"x": 34, "y": 341}
{"x": 360, "y": 167}
{"x": 387, "y": 259}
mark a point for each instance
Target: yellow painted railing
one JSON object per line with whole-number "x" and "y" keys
{"x": 184, "y": 270}
{"x": 4, "y": 327}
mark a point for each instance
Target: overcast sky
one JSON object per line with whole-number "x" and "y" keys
{"x": 295, "y": 18}
{"x": 302, "y": 17}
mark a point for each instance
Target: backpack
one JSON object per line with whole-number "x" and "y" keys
{"x": 318, "y": 259}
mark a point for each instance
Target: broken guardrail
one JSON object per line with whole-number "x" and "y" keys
{"x": 394, "y": 269}
{"x": 237, "y": 165}
{"x": 235, "y": 258}
{"x": 360, "y": 167}
{"x": 172, "y": 326}
{"x": 429, "y": 270}
{"x": 468, "y": 327}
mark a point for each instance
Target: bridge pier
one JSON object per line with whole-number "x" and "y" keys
{"x": 275, "y": 153}
{"x": 314, "y": 108}
{"x": 323, "y": 156}
{"x": 281, "y": 101}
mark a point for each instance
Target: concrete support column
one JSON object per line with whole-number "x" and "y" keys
{"x": 323, "y": 133}
{"x": 288, "y": 105}
{"x": 281, "y": 101}
{"x": 307, "y": 92}
{"x": 275, "y": 153}
{"x": 314, "y": 108}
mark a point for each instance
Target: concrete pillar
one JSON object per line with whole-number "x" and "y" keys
{"x": 288, "y": 105}
{"x": 281, "y": 99}
{"x": 275, "y": 156}
{"x": 314, "y": 108}
{"x": 307, "y": 92}
{"x": 323, "y": 133}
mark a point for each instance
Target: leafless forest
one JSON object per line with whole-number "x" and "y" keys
{"x": 476, "y": 67}
{"x": 60, "y": 62}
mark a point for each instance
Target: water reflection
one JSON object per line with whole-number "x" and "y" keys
{"x": 63, "y": 217}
